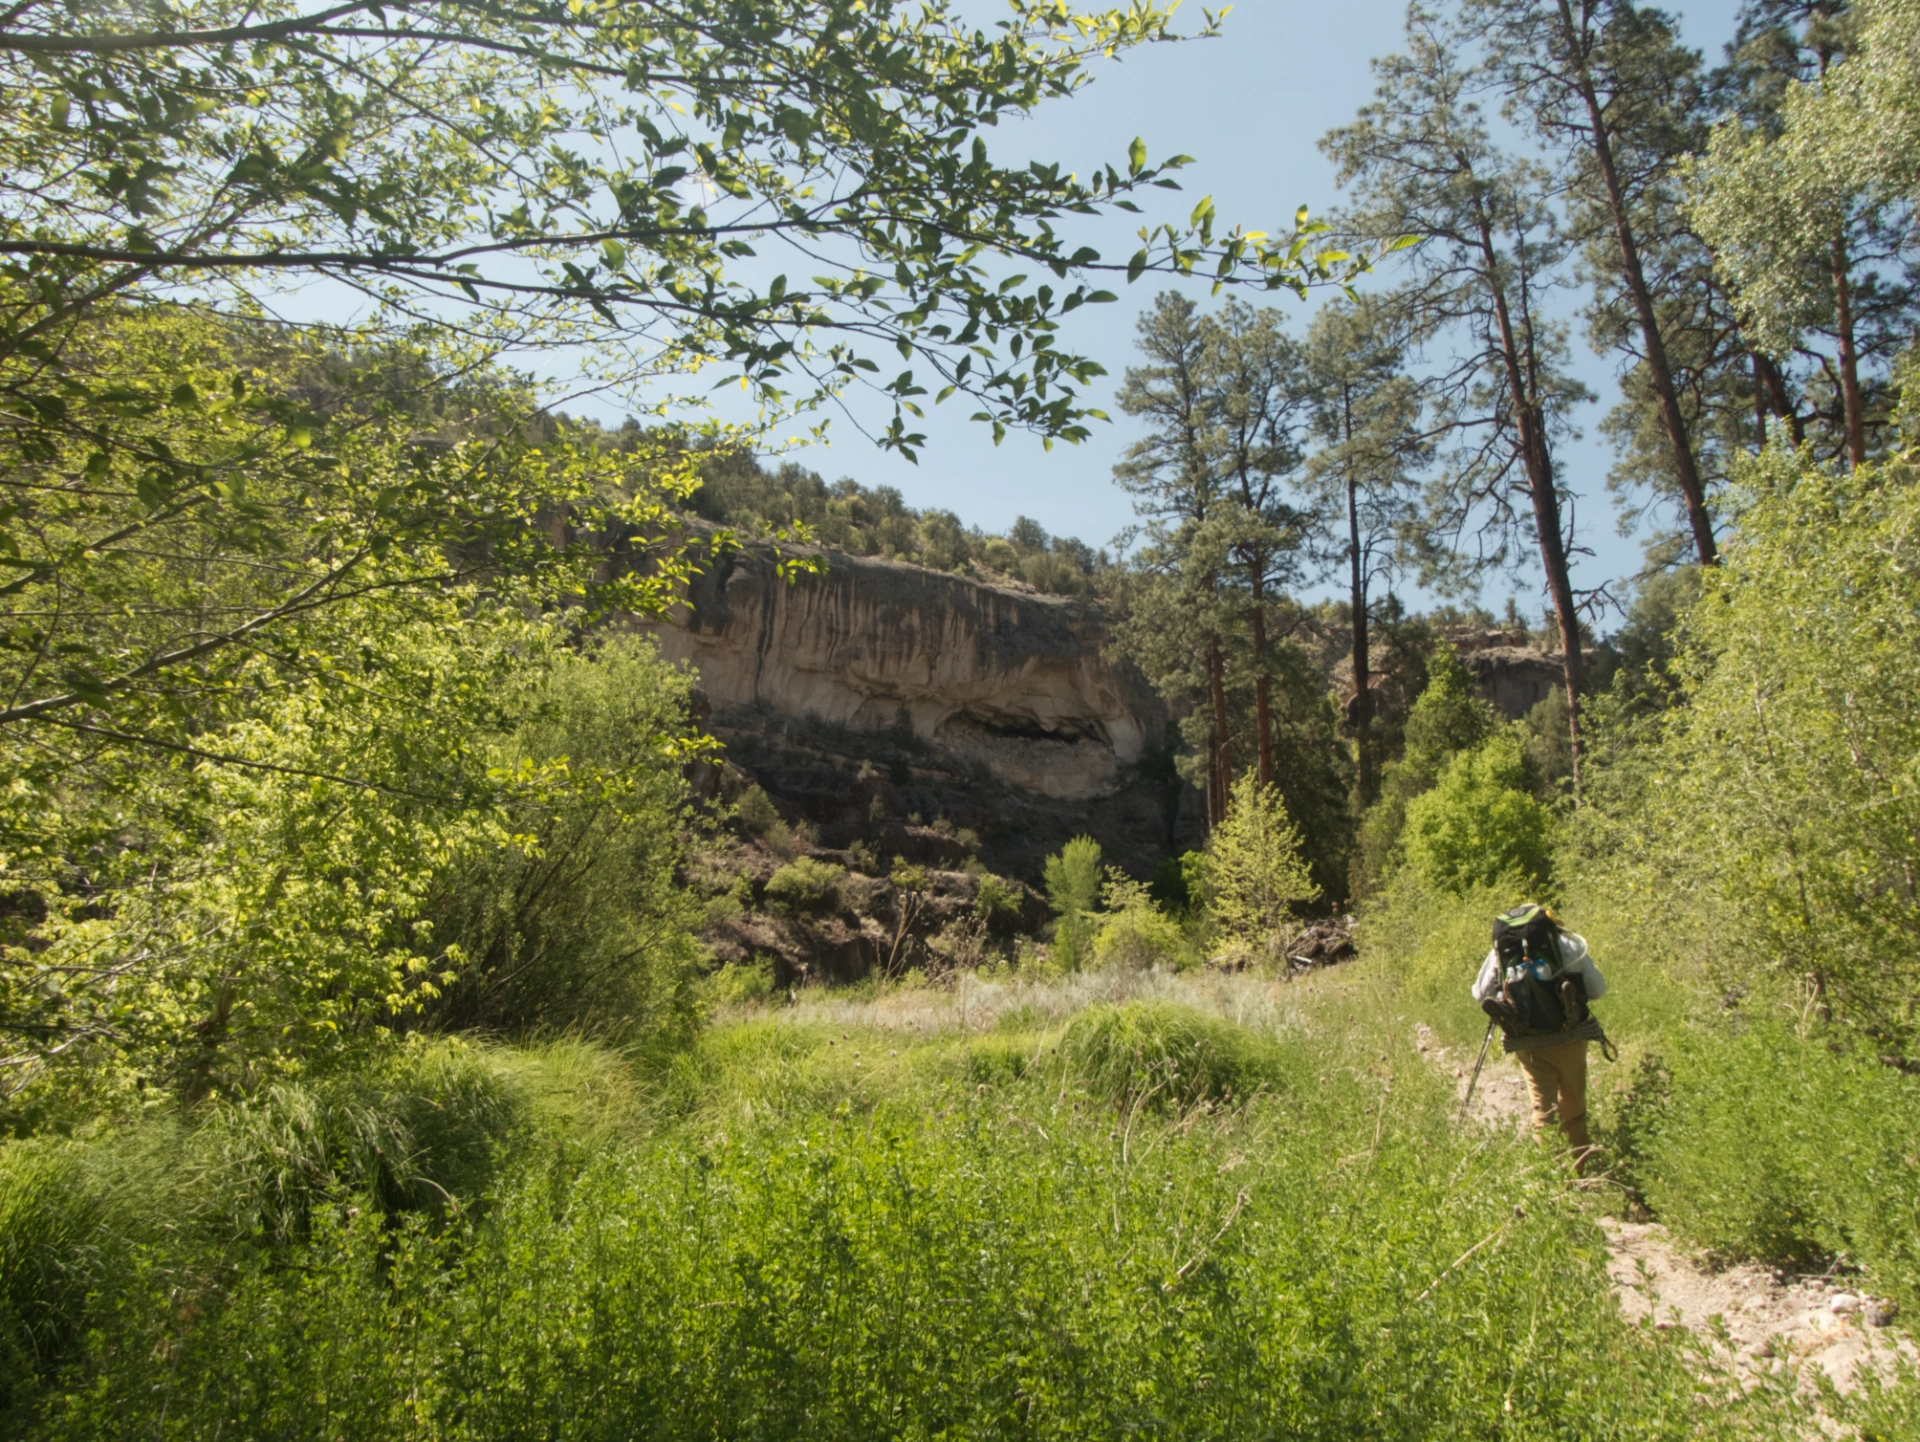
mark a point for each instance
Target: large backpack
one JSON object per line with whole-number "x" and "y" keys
{"x": 1537, "y": 994}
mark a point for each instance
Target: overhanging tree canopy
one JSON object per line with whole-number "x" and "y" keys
{"x": 551, "y": 174}
{"x": 786, "y": 191}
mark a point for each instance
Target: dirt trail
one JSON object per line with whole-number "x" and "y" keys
{"x": 1759, "y": 1321}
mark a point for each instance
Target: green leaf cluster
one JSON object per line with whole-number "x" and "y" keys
{"x": 1790, "y": 778}
{"x": 1480, "y": 823}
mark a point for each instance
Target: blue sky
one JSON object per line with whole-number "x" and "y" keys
{"x": 1250, "y": 108}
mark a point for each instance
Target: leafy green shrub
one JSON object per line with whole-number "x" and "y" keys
{"x": 742, "y": 983}
{"x": 1480, "y": 822}
{"x": 1073, "y": 891}
{"x": 257, "y": 918}
{"x": 720, "y": 909}
{"x": 756, "y": 811}
{"x": 1256, "y": 874}
{"x": 807, "y": 884}
{"x": 1706, "y": 1151}
{"x": 994, "y": 897}
{"x": 1136, "y": 934}
{"x": 1758, "y": 1142}
{"x": 1162, "y": 1054}
{"x": 52, "y": 1242}
{"x": 1140, "y": 936}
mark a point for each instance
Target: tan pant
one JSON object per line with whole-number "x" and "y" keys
{"x": 1557, "y": 1079}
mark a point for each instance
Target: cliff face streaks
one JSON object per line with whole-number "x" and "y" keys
{"x": 1011, "y": 681}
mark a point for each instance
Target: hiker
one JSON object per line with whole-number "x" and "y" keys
{"x": 1536, "y": 983}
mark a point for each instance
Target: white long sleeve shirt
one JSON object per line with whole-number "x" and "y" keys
{"x": 1574, "y": 960}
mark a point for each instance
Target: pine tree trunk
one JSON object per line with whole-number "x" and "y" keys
{"x": 1262, "y": 694}
{"x": 1854, "y": 406}
{"x": 1537, "y": 460}
{"x": 1770, "y": 383}
{"x": 1686, "y": 467}
{"x": 1221, "y": 769}
{"x": 1362, "y": 662}
{"x": 1553, "y": 557}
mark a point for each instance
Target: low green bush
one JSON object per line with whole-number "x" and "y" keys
{"x": 1134, "y": 933}
{"x": 994, "y": 897}
{"x": 1140, "y": 936}
{"x": 1005, "y": 1056}
{"x": 743, "y": 983}
{"x": 807, "y": 884}
{"x": 1164, "y": 1055}
{"x": 1879, "y": 1408}
{"x": 1756, "y": 1141}
{"x": 946, "y": 1261}
{"x": 756, "y": 811}
{"x": 1179, "y": 884}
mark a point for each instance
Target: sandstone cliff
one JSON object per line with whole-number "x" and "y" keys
{"x": 878, "y": 698}
{"x": 879, "y": 694}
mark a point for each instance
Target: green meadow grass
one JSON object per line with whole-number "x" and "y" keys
{"x": 1185, "y": 1207}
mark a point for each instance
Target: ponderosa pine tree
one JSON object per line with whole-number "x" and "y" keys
{"x": 1225, "y": 397}
{"x": 1487, "y": 255}
{"x": 1367, "y": 422}
{"x": 1609, "y": 88}
{"x": 1252, "y": 374}
{"x": 1176, "y": 491}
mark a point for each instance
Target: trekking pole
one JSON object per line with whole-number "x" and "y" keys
{"x": 1485, "y": 1042}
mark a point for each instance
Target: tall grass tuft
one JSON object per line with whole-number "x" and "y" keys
{"x": 1162, "y": 1054}
{"x": 424, "y": 1132}
{"x": 52, "y": 1242}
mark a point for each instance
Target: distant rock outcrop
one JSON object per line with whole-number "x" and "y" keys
{"x": 1512, "y": 674}
{"x": 1513, "y": 679}
{"x": 878, "y": 697}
